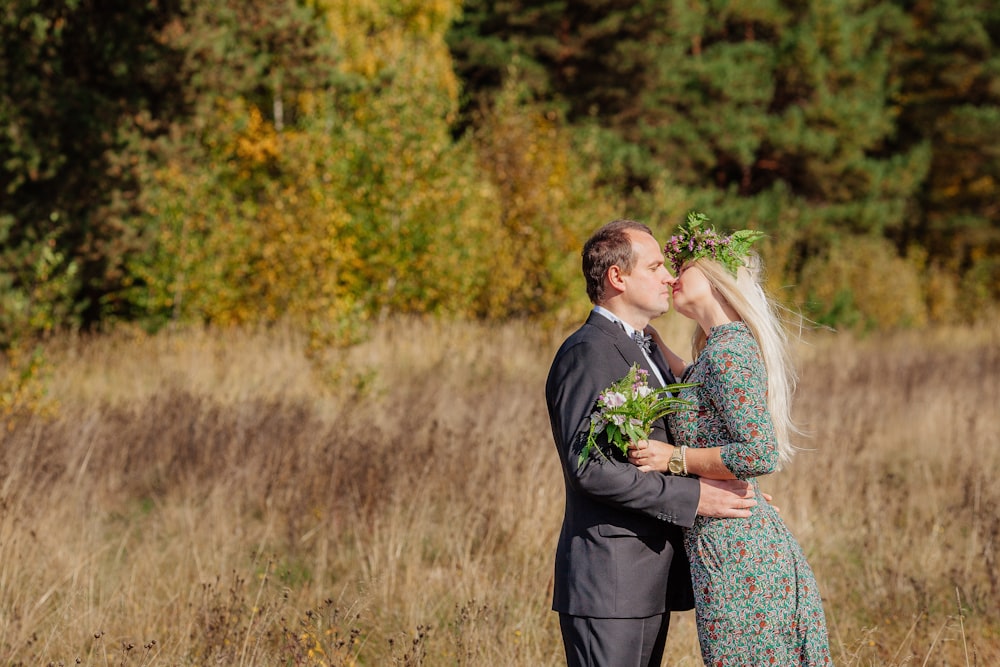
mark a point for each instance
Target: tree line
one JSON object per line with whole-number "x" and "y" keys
{"x": 331, "y": 162}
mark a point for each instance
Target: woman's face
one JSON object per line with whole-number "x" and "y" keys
{"x": 692, "y": 292}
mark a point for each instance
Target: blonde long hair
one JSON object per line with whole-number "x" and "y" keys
{"x": 760, "y": 313}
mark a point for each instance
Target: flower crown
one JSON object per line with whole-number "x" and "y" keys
{"x": 692, "y": 242}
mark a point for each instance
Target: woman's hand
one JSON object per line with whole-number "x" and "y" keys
{"x": 649, "y": 455}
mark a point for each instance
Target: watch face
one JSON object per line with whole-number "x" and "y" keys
{"x": 675, "y": 466}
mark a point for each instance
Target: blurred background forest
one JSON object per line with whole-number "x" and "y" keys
{"x": 331, "y": 162}
{"x": 205, "y": 207}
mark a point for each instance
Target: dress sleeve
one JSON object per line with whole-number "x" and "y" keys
{"x": 736, "y": 385}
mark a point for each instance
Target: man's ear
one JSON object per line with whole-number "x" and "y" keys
{"x": 616, "y": 277}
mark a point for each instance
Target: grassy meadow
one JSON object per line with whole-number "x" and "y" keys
{"x": 220, "y": 498}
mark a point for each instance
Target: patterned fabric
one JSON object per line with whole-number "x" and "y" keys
{"x": 756, "y": 599}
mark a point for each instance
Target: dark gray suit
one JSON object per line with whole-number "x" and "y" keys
{"x": 620, "y": 553}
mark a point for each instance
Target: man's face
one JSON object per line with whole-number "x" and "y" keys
{"x": 648, "y": 286}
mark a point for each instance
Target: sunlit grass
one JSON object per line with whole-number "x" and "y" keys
{"x": 235, "y": 502}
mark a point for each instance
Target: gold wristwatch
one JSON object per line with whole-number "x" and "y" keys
{"x": 677, "y": 465}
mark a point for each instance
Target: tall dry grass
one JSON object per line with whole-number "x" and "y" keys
{"x": 218, "y": 498}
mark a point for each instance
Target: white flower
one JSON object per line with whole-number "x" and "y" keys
{"x": 627, "y": 409}
{"x": 614, "y": 399}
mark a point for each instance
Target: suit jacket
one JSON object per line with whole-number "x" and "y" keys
{"x": 620, "y": 552}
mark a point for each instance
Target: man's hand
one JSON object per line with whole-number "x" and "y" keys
{"x": 725, "y": 498}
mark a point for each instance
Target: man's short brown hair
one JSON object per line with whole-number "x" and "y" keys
{"x": 609, "y": 246}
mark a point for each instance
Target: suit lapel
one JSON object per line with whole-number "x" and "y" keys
{"x": 629, "y": 350}
{"x": 625, "y": 346}
{"x": 661, "y": 363}
{"x": 631, "y": 354}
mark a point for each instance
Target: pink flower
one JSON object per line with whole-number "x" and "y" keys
{"x": 627, "y": 409}
{"x": 614, "y": 399}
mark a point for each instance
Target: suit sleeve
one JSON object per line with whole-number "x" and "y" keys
{"x": 577, "y": 377}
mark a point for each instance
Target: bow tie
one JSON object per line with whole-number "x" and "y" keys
{"x": 645, "y": 341}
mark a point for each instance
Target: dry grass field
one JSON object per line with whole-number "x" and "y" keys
{"x": 217, "y": 498}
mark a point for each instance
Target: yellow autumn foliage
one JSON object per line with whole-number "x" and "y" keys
{"x": 365, "y": 205}
{"x": 871, "y": 285}
{"x": 546, "y": 204}
{"x": 376, "y": 35}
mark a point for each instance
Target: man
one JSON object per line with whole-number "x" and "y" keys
{"x": 620, "y": 565}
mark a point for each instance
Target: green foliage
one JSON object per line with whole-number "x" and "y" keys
{"x": 545, "y": 205}
{"x": 367, "y": 206}
{"x": 818, "y": 122}
{"x": 981, "y": 290}
{"x": 22, "y": 383}
{"x": 409, "y": 190}
{"x": 79, "y": 85}
{"x": 230, "y": 193}
{"x": 691, "y": 242}
{"x": 237, "y": 242}
{"x": 626, "y": 411}
{"x": 36, "y": 285}
{"x": 36, "y": 288}
{"x": 862, "y": 282}
{"x": 594, "y": 61}
{"x": 334, "y": 162}
{"x": 950, "y": 99}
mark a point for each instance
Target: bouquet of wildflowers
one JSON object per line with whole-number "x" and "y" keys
{"x": 627, "y": 409}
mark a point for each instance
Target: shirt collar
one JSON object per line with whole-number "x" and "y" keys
{"x": 601, "y": 310}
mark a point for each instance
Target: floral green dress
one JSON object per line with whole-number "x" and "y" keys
{"x": 756, "y": 599}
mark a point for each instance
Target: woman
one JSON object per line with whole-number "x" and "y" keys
{"x": 756, "y": 599}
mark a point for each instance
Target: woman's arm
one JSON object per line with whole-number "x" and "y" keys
{"x": 706, "y": 462}
{"x": 734, "y": 388}
{"x": 652, "y": 455}
{"x": 676, "y": 363}
{"x": 736, "y": 385}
